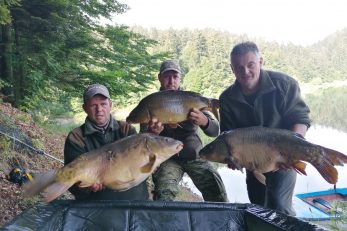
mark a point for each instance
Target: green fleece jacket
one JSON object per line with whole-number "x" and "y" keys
{"x": 86, "y": 138}
{"x": 277, "y": 104}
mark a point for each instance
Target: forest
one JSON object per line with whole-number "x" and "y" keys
{"x": 50, "y": 50}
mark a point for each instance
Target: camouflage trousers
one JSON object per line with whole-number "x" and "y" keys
{"x": 166, "y": 180}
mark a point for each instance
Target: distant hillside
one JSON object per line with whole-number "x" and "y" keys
{"x": 204, "y": 56}
{"x": 320, "y": 68}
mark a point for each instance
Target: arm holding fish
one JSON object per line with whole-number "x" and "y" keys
{"x": 295, "y": 111}
{"x": 153, "y": 126}
{"x": 300, "y": 129}
{"x": 96, "y": 187}
{"x": 209, "y": 125}
{"x": 198, "y": 118}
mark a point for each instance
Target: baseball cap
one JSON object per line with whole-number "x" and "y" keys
{"x": 169, "y": 65}
{"x": 95, "y": 89}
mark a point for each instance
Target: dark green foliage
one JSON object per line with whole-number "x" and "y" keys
{"x": 5, "y": 15}
{"x": 204, "y": 56}
{"x": 209, "y": 50}
{"x": 54, "y": 48}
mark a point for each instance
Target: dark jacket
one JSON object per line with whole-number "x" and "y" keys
{"x": 277, "y": 104}
{"x": 86, "y": 138}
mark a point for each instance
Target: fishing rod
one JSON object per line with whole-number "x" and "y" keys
{"x": 32, "y": 148}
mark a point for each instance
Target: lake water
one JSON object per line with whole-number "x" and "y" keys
{"x": 235, "y": 180}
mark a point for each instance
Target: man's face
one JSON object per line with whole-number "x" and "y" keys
{"x": 247, "y": 70}
{"x": 98, "y": 109}
{"x": 170, "y": 80}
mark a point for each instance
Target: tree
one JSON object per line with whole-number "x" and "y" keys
{"x": 57, "y": 47}
{"x": 5, "y": 15}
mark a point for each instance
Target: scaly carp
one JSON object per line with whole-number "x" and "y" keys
{"x": 120, "y": 166}
{"x": 171, "y": 107}
{"x": 264, "y": 150}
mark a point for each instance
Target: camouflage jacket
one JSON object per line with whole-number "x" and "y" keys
{"x": 277, "y": 104}
{"x": 86, "y": 138}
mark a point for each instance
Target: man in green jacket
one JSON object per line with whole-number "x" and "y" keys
{"x": 170, "y": 173}
{"x": 268, "y": 99}
{"x": 98, "y": 130}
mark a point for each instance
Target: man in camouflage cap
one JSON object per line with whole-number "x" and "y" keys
{"x": 170, "y": 173}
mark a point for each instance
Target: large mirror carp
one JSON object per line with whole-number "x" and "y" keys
{"x": 171, "y": 107}
{"x": 262, "y": 150}
{"x": 120, "y": 166}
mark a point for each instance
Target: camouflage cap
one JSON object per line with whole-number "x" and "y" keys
{"x": 169, "y": 65}
{"x": 95, "y": 89}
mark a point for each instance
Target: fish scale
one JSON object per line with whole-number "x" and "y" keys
{"x": 171, "y": 106}
{"x": 120, "y": 166}
{"x": 263, "y": 150}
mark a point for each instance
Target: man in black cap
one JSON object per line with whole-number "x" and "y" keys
{"x": 170, "y": 173}
{"x": 98, "y": 130}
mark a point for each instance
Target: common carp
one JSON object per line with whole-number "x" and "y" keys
{"x": 120, "y": 166}
{"x": 262, "y": 150}
{"x": 171, "y": 107}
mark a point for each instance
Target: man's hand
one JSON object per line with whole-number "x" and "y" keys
{"x": 154, "y": 126}
{"x": 197, "y": 117}
{"x": 96, "y": 187}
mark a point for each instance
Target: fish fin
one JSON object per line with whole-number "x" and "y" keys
{"x": 260, "y": 177}
{"x": 149, "y": 166}
{"x": 85, "y": 184}
{"x": 299, "y": 167}
{"x": 215, "y": 107}
{"x": 39, "y": 183}
{"x": 55, "y": 190}
{"x": 335, "y": 157}
{"x": 327, "y": 170}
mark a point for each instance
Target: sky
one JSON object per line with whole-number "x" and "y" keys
{"x": 302, "y": 22}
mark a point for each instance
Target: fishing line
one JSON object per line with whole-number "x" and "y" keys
{"x": 32, "y": 148}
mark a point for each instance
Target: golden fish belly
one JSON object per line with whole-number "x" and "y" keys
{"x": 259, "y": 158}
{"x": 174, "y": 110}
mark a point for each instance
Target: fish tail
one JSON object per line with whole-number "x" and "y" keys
{"x": 214, "y": 107}
{"x": 55, "y": 190}
{"x": 46, "y": 183}
{"x": 335, "y": 157}
{"x": 327, "y": 170}
{"x": 39, "y": 183}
